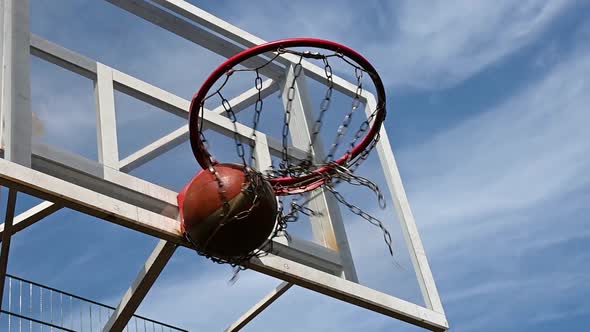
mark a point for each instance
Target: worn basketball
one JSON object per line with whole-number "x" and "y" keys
{"x": 243, "y": 225}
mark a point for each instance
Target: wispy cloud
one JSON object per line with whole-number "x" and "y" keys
{"x": 425, "y": 45}
{"x": 438, "y": 45}
{"x": 526, "y": 150}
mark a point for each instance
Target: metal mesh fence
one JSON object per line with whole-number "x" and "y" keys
{"x": 29, "y": 306}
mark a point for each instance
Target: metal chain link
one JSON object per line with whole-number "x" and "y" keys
{"x": 238, "y": 263}
{"x": 225, "y": 216}
{"x": 201, "y": 122}
{"x": 237, "y": 138}
{"x": 285, "y": 164}
{"x": 256, "y": 120}
{"x": 359, "y": 212}
{"x": 356, "y": 101}
{"x": 339, "y": 173}
{"x": 241, "y": 262}
{"x": 360, "y": 133}
{"x": 324, "y": 106}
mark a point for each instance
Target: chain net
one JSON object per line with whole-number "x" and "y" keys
{"x": 306, "y": 170}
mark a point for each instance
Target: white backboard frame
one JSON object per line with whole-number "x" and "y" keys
{"x": 104, "y": 189}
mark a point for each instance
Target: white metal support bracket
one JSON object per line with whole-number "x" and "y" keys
{"x": 16, "y": 88}
{"x": 31, "y": 216}
{"x": 259, "y": 307}
{"x": 2, "y": 75}
{"x": 406, "y": 218}
{"x": 144, "y": 282}
{"x": 283, "y": 267}
{"x": 106, "y": 124}
{"x": 6, "y": 236}
{"x": 180, "y": 135}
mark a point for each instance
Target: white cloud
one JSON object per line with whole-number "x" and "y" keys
{"x": 426, "y": 45}
{"x": 526, "y": 150}
{"x": 440, "y": 44}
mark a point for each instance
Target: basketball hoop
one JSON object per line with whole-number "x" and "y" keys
{"x": 312, "y": 177}
{"x": 291, "y": 177}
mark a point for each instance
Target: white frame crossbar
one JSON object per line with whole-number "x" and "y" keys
{"x": 104, "y": 189}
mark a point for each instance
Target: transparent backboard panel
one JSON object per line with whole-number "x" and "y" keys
{"x": 67, "y": 246}
{"x": 63, "y": 105}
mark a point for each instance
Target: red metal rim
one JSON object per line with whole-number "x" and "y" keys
{"x": 285, "y": 185}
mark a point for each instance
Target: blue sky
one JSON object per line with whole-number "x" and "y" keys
{"x": 488, "y": 119}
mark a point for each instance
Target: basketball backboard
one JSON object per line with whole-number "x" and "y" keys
{"x": 106, "y": 189}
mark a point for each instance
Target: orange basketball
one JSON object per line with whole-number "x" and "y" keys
{"x": 239, "y": 227}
